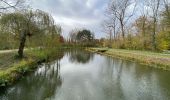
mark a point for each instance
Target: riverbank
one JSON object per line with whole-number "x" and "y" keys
{"x": 157, "y": 60}
{"x": 12, "y": 68}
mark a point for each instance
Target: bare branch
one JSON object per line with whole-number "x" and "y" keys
{"x": 8, "y": 5}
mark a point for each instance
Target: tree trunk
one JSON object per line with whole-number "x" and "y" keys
{"x": 122, "y": 29}
{"x": 144, "y": 34}
{"x": 110, "y": 40}
{"x": 154, "y": 36}
{"x": 22, "y": 44}
{"x": 123, "y": 35}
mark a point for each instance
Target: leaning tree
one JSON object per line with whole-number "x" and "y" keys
{"x": 26, "y": 23}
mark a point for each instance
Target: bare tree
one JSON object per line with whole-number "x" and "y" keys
{"x": 111, "y": 28}
{"x": 154, "y": 6}
{"x": 110, "y": 23}
{"x": 108, "y": 30}
{"x": 166, "y": 6}
{"x": 142, "y": 21}
{"x": 120, "y": 8}
{"x": 72, "y": 35}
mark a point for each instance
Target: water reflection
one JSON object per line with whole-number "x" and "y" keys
{"x": 39, "y": 86}
{"x": 92, "y": 77}
{"x": 80, "y": 56}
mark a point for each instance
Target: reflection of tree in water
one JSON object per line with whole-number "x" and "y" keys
{"x": 59, "y": 55}
{"x": 39, "y": 86}
{"x": 80, "y": 56}
{"x": 111, "y": 74}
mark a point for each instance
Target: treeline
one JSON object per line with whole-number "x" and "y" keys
{"x": 22, "y": 27}
{"x": 138, "y": 24}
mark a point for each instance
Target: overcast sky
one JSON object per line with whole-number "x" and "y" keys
{"x": 72, "y": 14}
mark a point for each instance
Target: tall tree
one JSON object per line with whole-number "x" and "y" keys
{"x": 143, "y": 26}
{"x": 166, "y": 15}
{"x": 166, "y": 5}
{"x": 154, "y": 5}
{"x": 111, "y": 25}
{"x": 165, "y": 23}
{"x": 119, "y": 8}
{"x": 142, "y": 22}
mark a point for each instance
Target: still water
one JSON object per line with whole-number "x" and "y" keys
{"x": 81, "y": 75}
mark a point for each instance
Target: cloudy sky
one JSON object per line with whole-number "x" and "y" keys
{"x": 72, "y": 14}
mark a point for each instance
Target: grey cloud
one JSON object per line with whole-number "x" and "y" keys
{"x": 74, "y": 13}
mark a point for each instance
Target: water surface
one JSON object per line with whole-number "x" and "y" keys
{"x": 84, "y": 76}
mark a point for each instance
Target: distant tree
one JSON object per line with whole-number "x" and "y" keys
{"x": 143, "y": 26}
{"x": 61, "y": 39}
{"x": 110, "y": 27}
{"x": 85, "y": 36}
{"x": 164, "y": 36}
{"x": 154, "y": 5}
{"x": 73, "y": 34}
{"x": 166, "y": 18}
{"x": 118, "y": 17}
{"x": 119, "y": 9}
{"x": 167, "y": 7}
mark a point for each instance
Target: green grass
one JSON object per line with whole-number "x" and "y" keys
{"x": 11, "y": 68}
{"x": 153, "y": 59}
{"x": 6, "y": 60}
{"x": 16, "y": 70}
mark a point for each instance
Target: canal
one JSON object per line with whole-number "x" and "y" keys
{"x": 81, "y": 75}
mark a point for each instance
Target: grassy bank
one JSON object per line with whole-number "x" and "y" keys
{"x": 12, "y": 68}
{"x": 157, "y": 60}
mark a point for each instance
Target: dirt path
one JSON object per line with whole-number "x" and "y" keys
{"x": 14, "y": 50}
{"x": 8, "y": 51}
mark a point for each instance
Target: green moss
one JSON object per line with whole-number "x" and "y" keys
{"x": 16, "y": 70}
